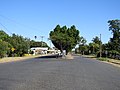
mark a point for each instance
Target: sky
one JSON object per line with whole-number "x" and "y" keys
{"x": 31, "y": 18}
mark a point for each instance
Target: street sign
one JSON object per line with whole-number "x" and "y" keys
{"x": 13, "y": 49}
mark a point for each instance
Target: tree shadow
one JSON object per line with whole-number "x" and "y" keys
{"x": 50, "y": 56}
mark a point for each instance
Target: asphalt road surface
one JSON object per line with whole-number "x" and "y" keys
{"x": 56, "y": 74}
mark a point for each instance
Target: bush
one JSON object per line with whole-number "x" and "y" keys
{"x": 110, "y": 54}
{"x": 103, "y": 54}
{"x": 3, "y": 48}
{"x": 113, "y": 54}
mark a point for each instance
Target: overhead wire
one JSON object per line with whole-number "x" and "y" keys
{"x": 5, "y": 28}
{"x": 18, "y": 23}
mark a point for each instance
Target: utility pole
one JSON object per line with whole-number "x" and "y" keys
{"x": 42, "y": 39}
{"x": 49, "y": 41}
{"x": 100, "y": 46}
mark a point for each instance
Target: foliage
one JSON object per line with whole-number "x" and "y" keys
{"x": 20, "y": 44}
{"x": 82, "y": 45}
{"x": 65, "y": 38}
{"x": 114, "y": 26}
{"x": 110, "y": 49}
{"x": 96, "y": 40}
{"x": 4, "y": 44}
{"x": 82, "y": 41}
{"x": 4, "y": 36}
{"x": 37, "y": 44}
{"x": 3, "y": 48}
{"x": 94, "y": 46}
{"x": 15, "y": 45}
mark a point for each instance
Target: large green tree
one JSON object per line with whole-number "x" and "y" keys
{"x": 65, "y": 38}
{"x": 114, "y": 26}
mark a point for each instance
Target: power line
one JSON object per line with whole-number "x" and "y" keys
{"x": 20, "y": 24}
{"x": 11, "y": 20}
{"x": 5, "y": 28}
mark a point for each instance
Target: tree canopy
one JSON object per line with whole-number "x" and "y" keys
{"x": 82, "y": 45}
{"x": 114, "y": 26}
{"x": 65, "y": 38}
{"x": 37, "y": 44}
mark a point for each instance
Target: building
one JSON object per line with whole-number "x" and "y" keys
{"x": 44, "y": 50}
{"x": 39, "y": 50}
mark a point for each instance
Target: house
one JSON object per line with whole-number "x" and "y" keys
{"x": 39, "y": 50}
{"x": 44, "y": 50}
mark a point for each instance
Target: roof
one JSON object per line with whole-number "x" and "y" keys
{"x": 39, "y": 48}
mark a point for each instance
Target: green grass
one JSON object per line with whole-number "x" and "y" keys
{"x": 103, "y": 59}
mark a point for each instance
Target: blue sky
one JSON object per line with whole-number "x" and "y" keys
{"x": 38, "y": 17}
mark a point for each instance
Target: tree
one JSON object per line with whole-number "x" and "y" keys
{"x": 84, "y": 49}
{"x": 96, "y": 40}
{"x": 82, "y": 45}
{"x": 114, "y": 26}
{"x": 95, "y": 45}
{"x": 35, "y": 37}
{"x": 37, "y": 44}
{"x": 16, "y": 45}
{"x": 20, "y": 44}
{"x": 82, "y": 41}
{"x": 5, "y": 45}
{"x": 4, "y": 36}
{"x": 64, "y": 38}
{"x": 4, "y": 48}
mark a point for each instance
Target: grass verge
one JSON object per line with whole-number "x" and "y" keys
{"x": 13, "y": 59}
{"x": 108, "y": 60}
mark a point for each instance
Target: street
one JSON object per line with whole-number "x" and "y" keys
{"x": 57, "y": 74}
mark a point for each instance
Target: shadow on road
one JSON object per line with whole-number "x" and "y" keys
{"x": 50, "y": 56}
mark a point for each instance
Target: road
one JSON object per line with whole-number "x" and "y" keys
{"x": 56, "y": 74}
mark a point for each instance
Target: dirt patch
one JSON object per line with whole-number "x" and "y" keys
{"x": 14, "y": 59}
{"x": 69, "y": 56}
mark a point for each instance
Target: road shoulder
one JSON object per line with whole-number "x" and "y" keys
{"x": 15, "y": 59}
{"x": 105, "y": 60}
